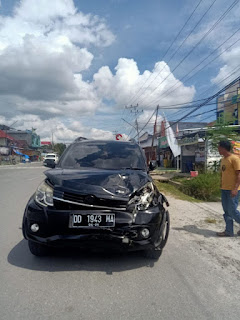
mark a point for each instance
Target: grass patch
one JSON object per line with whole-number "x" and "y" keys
{"x": 171, "y": 190}
{"x": 210, "y": 220}
{"x": 204, "y": 187}
{"x": 180, "y": 179}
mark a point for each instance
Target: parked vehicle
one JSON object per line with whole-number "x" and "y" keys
{"x": 99, "y": 196}
{"x": 50, "y": 156}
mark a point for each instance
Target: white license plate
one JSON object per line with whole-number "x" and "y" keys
{"x": 91, "y": 220}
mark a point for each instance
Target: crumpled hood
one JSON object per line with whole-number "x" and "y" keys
{"x": 119, "y": 183}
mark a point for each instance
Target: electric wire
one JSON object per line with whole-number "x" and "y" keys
{"x": 195, "y": 46}
{"x": 209, "y": 99}
{"x": 167, "y": 93}
{"x": 135, "y": 95}
{"x": 177, "y": 49}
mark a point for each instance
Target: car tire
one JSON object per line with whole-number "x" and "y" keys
{"x": 37, "y": 249}
{"x": 156, "y": 252}
{"x": 166, "y": 230}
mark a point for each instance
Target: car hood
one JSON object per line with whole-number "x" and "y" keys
{"x": 119, "y": 183}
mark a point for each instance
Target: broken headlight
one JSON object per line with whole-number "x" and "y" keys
{"x": 44, "y": 195}
{"x": 144, "y": 198}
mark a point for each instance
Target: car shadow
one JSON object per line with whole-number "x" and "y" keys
{"x": 69, "y": 259}
{"x": 194, "y": 229}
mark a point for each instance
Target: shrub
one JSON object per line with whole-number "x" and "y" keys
{"x": 204, "y": 187}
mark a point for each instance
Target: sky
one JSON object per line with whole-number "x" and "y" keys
{"x": 72, "y": 67}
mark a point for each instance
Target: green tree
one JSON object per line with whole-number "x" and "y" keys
{"x": 222, "y": 130}
{"x": 59, "y": 148}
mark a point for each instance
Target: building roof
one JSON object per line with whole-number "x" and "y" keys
{"x": 3, "y": 134}
{"x": 187, "y": 125}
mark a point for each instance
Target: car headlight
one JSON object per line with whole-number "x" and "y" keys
{"x": 44, "y": 195}
{"x": 144, "y": 198}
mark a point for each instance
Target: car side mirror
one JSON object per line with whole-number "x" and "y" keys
{"x": 50, "y": 163}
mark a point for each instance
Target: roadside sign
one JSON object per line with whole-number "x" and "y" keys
{"x": 118, "y": 136}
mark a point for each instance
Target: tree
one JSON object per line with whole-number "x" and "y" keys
{"x": 222, "y": 130}
{"x": 59, "y": 148}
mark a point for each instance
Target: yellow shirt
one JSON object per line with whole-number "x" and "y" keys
{"x": 229, "y": 166}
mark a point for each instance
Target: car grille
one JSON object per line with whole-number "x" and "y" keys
{"x": 74, "y": 201}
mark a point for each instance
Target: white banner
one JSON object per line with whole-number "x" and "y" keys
{"x": 172, "y": 141}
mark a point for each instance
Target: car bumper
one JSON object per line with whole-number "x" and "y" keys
{"x": 54, "y": 229}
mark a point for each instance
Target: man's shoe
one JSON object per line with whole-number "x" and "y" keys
{"x": 223, "y": 234}
{"x": 238, "y": 233}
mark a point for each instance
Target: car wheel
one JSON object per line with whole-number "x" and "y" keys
{"x": 37, "y": 249}
{"x": 160, "y": 242}
{"x": 165, "y": 231}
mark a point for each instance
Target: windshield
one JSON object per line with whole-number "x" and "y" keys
{"x": 51, "y": 156}
{"x": 103, "y": 155}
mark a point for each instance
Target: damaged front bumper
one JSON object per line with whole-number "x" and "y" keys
{"x": 129, "y": 232}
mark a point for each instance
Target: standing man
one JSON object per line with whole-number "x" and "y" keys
{"x": 230, "y": 186}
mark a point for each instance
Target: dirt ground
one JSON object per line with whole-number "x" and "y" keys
{"x": 199, "y": 222}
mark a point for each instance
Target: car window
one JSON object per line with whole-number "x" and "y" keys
{"x": 103, "y": 155}
{"x": 50, "y": 156}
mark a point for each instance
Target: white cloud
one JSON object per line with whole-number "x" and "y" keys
{"x": 51, "y": 19}
{"x": 231, "y": 64}
{"x": 62, "y": 132}
{"x": 43, "y": 48}
{"x": 128, "y": 81}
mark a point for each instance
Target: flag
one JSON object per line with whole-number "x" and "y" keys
{"x": 172, "y": 141}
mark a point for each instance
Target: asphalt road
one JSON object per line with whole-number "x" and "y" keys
{"x": 184, "y": 284}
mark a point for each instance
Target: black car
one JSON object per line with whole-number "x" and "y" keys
{"x": 98, "y": 196}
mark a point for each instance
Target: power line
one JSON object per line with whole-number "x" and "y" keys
{"x": 167, "y": 93}
{"x": 215, "y": 109}
{"x": 133, "y": 98}
{"x": 229, "y": 75}
{"x": 209, "y": 99}
{"x": 199, "y": 106}
{"x": 219, "y": 82}
{"x": 178, "y": 47}
{"x": 197, "y": 44}
{"x": 147, "y": 122}
{"x": 135, "y": 111}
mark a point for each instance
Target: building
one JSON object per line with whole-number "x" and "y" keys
{"x": 29, "y": 136}
{"x": 5, "y": 139}
{"x": 149, "y": 145}
{"x": 229, "y": 103}
{"x": 180, "y": 129}
{"x": 20, "y": 143}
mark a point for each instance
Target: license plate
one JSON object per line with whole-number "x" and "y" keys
{"x": 91, "y": 220}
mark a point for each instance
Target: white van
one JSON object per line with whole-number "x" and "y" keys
{"x": 52, "y": 156}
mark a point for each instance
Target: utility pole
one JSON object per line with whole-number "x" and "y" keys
{"x": 52, "y": 139}
{"x": 154, "y": 132}
{"x": 136, "y": 112}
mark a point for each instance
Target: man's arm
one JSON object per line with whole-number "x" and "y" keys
{"x": 237, "y": 184}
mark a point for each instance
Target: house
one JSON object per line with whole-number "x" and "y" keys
{"x": 149, "y": 145}
{"x": 5, "y": 139}
{"x": 165, "y": 154}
